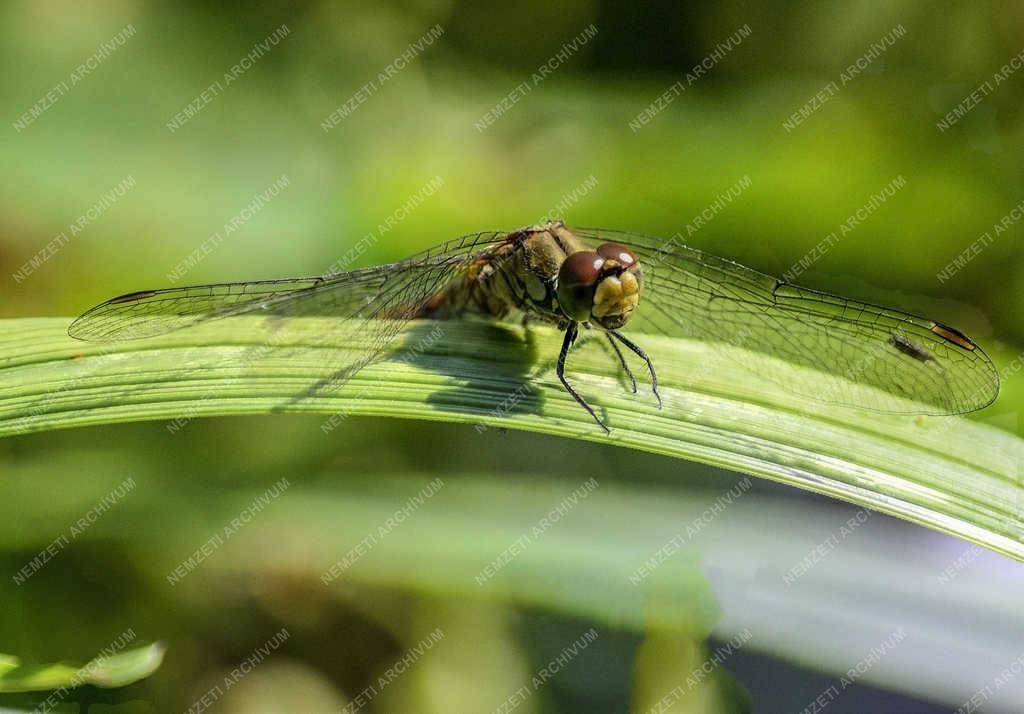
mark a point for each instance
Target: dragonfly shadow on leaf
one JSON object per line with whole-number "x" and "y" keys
{"x": 493, "y": 378}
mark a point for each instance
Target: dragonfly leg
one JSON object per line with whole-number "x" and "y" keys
{"x": 570, "y": 336}
{"x": 642, "y": 355}
{"x": 622, "y": 361}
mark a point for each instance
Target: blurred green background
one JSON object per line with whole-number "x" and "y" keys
{"x": 564, "y": 147}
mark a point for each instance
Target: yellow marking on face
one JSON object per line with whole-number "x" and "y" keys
{"x": 616, "y": 295}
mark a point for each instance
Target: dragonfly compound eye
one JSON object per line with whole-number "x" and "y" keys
{"x": 577, "y": 279}
{"x": 617, "y": 252}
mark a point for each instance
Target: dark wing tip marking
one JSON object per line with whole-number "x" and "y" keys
{"x": 951, "y": 334}
{"x": 129, "y": 297}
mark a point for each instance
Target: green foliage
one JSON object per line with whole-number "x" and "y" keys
{"x": 949, "y": 473}
{"x": 107, "y": 670}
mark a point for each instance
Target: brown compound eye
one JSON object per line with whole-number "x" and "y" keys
{"x": 617, "y": 252}
{"x": 577, "y": 279}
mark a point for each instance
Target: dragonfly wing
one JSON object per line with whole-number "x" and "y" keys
{"x": 147, "y": 313}
{"x": 377, "y": 300}
{"x": 693, "y": 294}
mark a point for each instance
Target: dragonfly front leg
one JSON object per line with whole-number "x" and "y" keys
{"x": 642, "y": 355}
{"x": 570, "y": 336}
{"x": 622, "y": 361}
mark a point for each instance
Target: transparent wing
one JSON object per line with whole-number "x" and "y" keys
{"x": 367, "y": 292}
{"x": 377, "y": 301}
{"x": 690, "y": 293}
{"x": 146, "y": 313}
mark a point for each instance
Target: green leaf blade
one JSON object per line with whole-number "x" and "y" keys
{"x": 948, "y": 473}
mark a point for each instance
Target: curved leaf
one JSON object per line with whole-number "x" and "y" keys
{"x": 107, "y": 670}
{"x": 949, "y": 473}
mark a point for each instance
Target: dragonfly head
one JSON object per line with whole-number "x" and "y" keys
{"x": 602, "y": 286}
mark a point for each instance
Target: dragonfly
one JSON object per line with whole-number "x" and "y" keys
{"x": 608, "y": 281}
